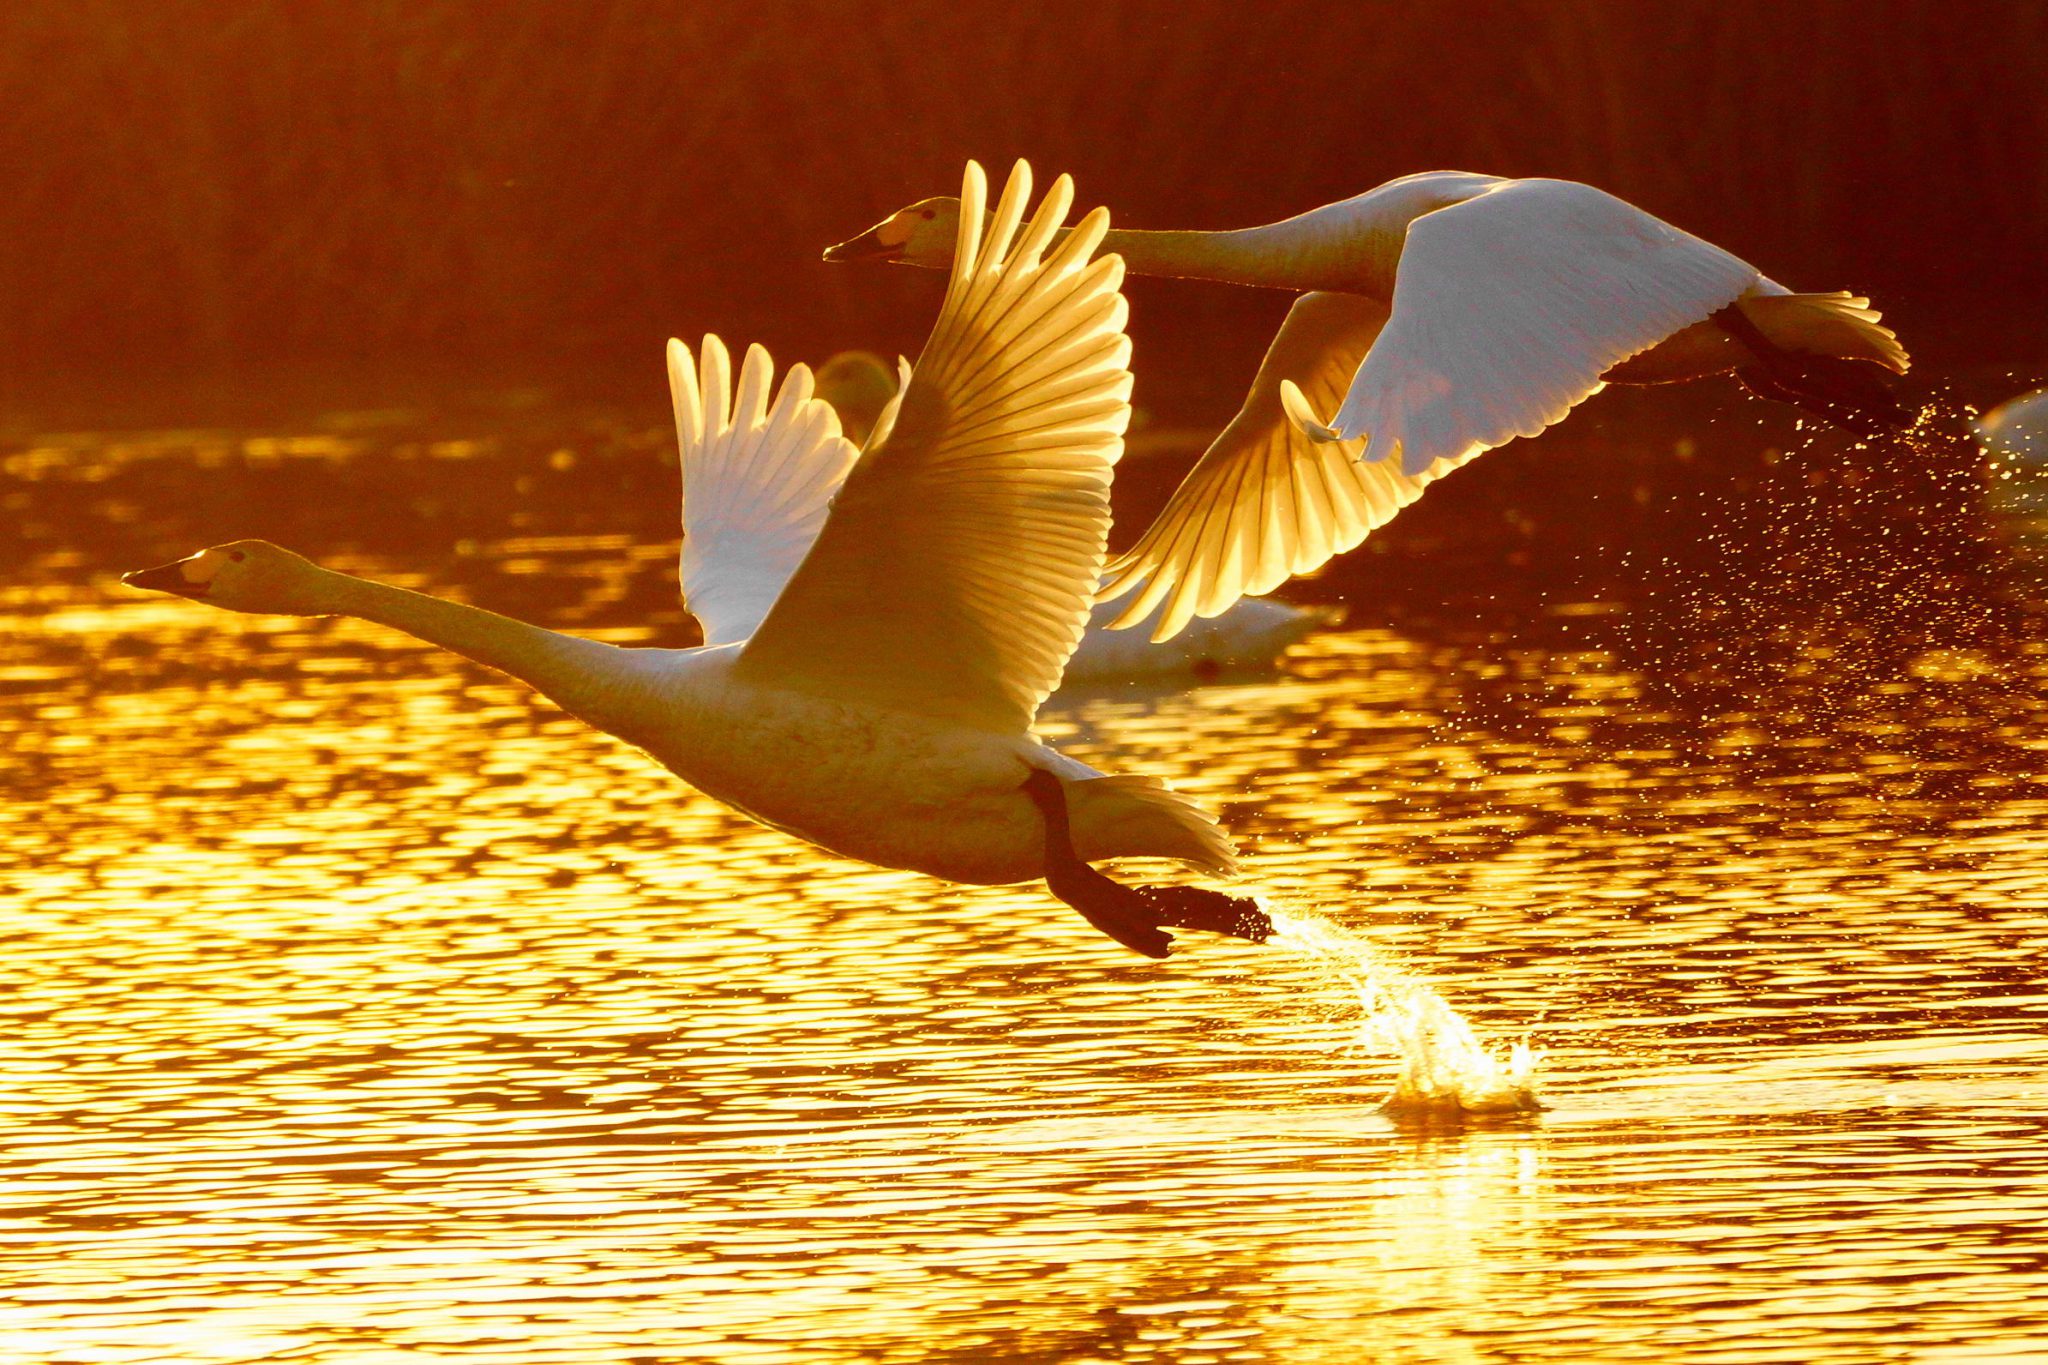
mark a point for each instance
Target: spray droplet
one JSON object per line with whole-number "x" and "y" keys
{"x": 1445, "y": 1067}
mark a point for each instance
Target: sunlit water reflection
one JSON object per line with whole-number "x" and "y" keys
{"x": 360, "y": 1009}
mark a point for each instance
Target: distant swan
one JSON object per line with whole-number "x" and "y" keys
{"x": 1250, "y": 635}
{"x": 1451, "y": 313}
{"x": 1247, "y": 637}
{"x": 881, "y": 624}
{"x": 2018, "y": 430}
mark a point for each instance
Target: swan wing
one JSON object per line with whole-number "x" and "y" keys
{"x": 758, "y": 478}
{"x": 954, "y": 574}
{"x": 1509, "y": 306}
{"x": 1265, "y": 501}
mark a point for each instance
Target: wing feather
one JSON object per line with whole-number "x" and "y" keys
{"x": 758, "y": 478}
{"x": 954, "y": 574}
{"x": 1266, "y": 502}
{"x": 1509, "y": 307}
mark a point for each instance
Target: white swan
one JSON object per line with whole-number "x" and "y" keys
{"x": 1451, "y": 312}
{"x": 1247, "y": 637}
{"x": 880, "y": 625}
{"x": 2017, "y": 429}
{"x": 858, "y": 385}
{"x": 1250, "y": 634}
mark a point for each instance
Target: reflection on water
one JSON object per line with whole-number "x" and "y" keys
{"x": 361, "y": 1010}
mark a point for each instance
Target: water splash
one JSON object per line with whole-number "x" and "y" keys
{"x": 1445, "y": 1068}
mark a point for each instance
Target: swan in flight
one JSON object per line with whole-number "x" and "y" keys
{"x": 880, "y": 623}
{"x": 1446, "y": 313}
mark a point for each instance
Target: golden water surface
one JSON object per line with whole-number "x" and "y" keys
{"x": 359, "y": 1008}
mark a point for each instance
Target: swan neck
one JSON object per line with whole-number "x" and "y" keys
{"x": 1297, "y": 254}
{"x": 581, "y": 676}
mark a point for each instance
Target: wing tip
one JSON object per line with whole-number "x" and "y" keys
{"x": 1296, "y": 405}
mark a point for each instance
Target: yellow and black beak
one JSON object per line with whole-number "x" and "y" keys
{"x": 869, "y": 246}
{"x": 166, "y": 578}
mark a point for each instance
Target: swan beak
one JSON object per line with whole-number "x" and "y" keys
{"x": 869, "y": 246}
{"x": 166, "y": 578}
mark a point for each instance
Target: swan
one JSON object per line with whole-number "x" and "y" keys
{"x": 1445, "y": 313}
{"x": 1251, "y": 633}
{"x": 1248, "y": 636}
{"x": 2017, "y": 429}
{"x": 880, "y": 623}
{"x": 858, "y": 385}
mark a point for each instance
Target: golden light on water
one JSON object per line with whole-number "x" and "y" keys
{"x": 363, "y": 1009}
{"x": 1681, "y": 765}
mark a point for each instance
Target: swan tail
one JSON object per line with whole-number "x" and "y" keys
{"x": 1838, "y": 325}
{"x": 1127, "y": 816}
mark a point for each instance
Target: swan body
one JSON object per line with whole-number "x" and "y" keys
{"x": 881, "y": 623}
{"x": 1443, "y": 314}
{"x": 885, "y": 787}
{"x": 1250, "y": 634}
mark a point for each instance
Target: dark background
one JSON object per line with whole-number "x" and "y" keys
{"x": 201, "y": 196}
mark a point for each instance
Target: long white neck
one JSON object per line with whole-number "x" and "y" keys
{"x": 1351, "y": 247}
{"x": 1298, "y": 254}
{"x": 591, "y": 680}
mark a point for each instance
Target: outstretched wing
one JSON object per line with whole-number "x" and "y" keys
{"x": 758, "y": 478}
{"x": 1265, "y": 501}
{"x": 953, "y": 576}
{"x": 1509, "y": 306}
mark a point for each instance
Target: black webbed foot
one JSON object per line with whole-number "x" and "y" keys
{"x": 1195, "y": 907}
{"x": 1829, "y": 387}
{"x": 1849, "y": 393}
{"x": 1135, "y": 916}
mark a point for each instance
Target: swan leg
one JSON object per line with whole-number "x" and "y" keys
{"x": 1135, "y": 916}
{"x": 1846, "y": 392}
{"x": 1758, "y": 381}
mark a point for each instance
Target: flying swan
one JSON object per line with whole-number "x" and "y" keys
{"x": 880, "y": 623}
{"x": 1447, "y": 313}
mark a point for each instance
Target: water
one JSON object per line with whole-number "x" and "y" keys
{"x": 361, "y": 1010}
{"x": 1446, "y": 1071}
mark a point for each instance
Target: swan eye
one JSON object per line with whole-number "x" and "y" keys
{"x": 238, "y": 555}
{"x": 928, "y": 214}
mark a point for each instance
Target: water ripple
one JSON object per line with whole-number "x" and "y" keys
{"x": 362, "y": 1010}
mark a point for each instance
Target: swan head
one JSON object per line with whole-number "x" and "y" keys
{"x": 922, "y": 234}
{"x": 244, "y": 575}
{"x": 858, "y": 385}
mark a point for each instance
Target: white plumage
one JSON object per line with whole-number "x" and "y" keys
{"x": 875, "y": 655}
{"x": 1267, "y": 501}
{"x": 956, "y": 571}
{"x": 757, "y": 482}
{"x": 1249, "y": 637}
{"x": 1252, "y": 634}
{"x": 1510, "y": 305}
{"x": 2017, "y": 430}
{"x": 1448, "y": 313}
